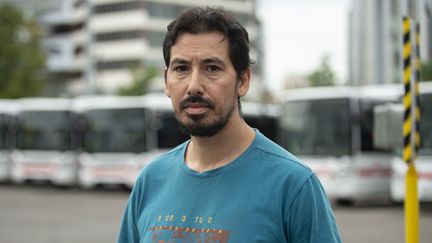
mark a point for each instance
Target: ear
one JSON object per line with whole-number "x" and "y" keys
{"x": 243, "y": 86}
{"x": 166, "y": 88}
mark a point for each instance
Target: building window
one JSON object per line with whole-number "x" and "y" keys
{"x": 170, "y": 11}
{"x": 112, "y": 65}
{"x": 65, "y": 29}
{"x": 160, "y": 10}
{"x": 118, "y": 7}
{"x": 114, "y": 36}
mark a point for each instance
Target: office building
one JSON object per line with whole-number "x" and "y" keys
{"x": 375, "y": 38}
{"x": 92, "y": 46}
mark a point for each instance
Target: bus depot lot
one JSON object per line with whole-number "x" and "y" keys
{"x": 45, "y": 214}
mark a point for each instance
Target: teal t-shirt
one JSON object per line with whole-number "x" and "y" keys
{"x": 264, "y": 195}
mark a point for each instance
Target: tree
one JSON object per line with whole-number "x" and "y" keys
{"x": 22, "y": 61}
{"x": 142, "y": 80}
{"x": 426, "y": 71}
{"x": 323, "y": 75}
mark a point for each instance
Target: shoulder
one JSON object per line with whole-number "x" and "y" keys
{"x": 163, "y": 164}
{"x": 274, "y": 167}
{"x": 274, "y": 156}
{"x": 280, "y": 174}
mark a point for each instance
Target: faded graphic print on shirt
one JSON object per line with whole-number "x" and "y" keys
{"x": 198, "y": 230}
{"x": 171, "y": 234}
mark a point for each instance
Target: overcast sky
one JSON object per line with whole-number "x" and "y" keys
{"x": 298, "y": 33}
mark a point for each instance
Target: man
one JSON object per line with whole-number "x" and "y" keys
{"x": 228, "y": 183}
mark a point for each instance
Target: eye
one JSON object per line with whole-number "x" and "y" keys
{"x": 181, "y": 68}
{"x": 213, "y": 68}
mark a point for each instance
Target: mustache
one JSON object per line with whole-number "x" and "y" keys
{"x": 196, "y": 99}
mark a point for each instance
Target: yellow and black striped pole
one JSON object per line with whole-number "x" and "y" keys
{"x": 411, "y": 205}
{"x": 407, "y": 99}
{"x": 417, "y": 110}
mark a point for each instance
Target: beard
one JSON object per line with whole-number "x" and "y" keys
{"x": 196, "y": 124}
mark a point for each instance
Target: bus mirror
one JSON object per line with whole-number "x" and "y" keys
{"x": 388, "y": 126}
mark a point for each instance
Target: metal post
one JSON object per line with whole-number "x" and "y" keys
{"x": 411, "y": 204}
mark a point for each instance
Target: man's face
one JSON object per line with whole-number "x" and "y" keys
{"x": 202, "y": 83}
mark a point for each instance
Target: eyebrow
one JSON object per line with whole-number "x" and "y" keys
{"x": 213, "y": 60}
{"x": 208, "y": 60}
{"x": 178, "y": 61}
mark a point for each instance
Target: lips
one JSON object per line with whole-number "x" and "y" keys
{"x": 195, "y": 108}
{"x": 196, "y": 105}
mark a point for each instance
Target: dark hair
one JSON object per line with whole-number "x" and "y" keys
{"x": 199, "y": 20}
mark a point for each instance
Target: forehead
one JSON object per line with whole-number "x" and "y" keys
{"x": 200, "y": 45}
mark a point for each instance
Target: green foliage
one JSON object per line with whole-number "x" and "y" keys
{"x": 142, "y": 80}
{"x": 323, "y": 75}
{"x": 22, "y": 61}
{"x": 426, "y": 71}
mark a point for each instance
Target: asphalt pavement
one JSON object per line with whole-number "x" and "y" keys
{"x": 46, "y": 214}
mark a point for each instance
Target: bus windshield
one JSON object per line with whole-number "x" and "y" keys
{"x": 425, "y": 125}
{"x": 168, "y": 132}
{"x": 366, "y": 125}
{"x": 316, "y": 127}
{"x": 44, "y": 130}
{"x": 265, "y": 124}
{"x": 114, "y": 130}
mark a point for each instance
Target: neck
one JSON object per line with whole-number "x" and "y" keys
{"x": 207, "y": 153}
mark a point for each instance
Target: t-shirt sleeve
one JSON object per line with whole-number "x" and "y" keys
{"x": 310, "y": 216}
{"x": 128, "y": 229}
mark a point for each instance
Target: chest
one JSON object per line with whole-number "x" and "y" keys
{"x": 215, "y": 209}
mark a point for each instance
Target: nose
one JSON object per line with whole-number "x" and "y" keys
{"x": 195, "y": 86}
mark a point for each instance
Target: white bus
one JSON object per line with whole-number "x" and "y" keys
{"x": 330, "y": 129}
{"x": 8, "y": 110}
{"x": 423, "y": 160}
{"x": 121, "y": 135}
{"x": 45, "y": 143}
{"x": 113, "y": 139}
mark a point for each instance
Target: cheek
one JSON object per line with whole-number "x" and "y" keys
{"x": 229, "y": 91}
{"x": 175, "y": 102}
{"x": 174, "y": 89}
{"x": 225, "y": 97}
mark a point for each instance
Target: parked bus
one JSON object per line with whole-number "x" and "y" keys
{"x": 103, "y": 140}
{"x": 423, "y": 159}
{"x": 113, "y": 136}
{"x": 45, "y": 142}
{"x": 330, "y": 129}
{"x": 8, "y": 110}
